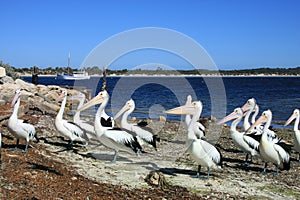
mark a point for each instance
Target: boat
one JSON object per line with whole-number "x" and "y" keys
{"x": 79, "y": 75}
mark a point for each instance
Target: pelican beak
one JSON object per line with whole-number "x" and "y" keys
{"x": 229, "y": 117}
{"x": 245, "y": 107}
{"x": 292, "y": 117}
{"x": 260, "y": 120}
{"x": 125, "y": 107}
{"x": 182, "y": 110}
{"x": 17, "y": 95}
{"x": 96, "y": 100}
{"x": 61, "y": 96}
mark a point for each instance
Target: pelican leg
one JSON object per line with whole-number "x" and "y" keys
{"x": 17, "y": 144}
{"x": 277, "y": 170}
{"x": 25, "y": 147}
{"x": 139, "y": 152}
{"x": 70, "y": 145}
{"x": 115, "y": 157}
{"x": 198, "y": 172}
{"x": 265, "y": 168}
{"x": 208, "y": 173}
{"x": 299, "y": 158}
{"x": 246, "y": 159}
{"x": 246, "y": 164}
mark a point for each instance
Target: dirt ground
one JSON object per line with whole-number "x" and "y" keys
{"x": 48, "y": 171}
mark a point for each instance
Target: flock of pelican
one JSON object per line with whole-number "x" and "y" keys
{"x": 255, "y": 138}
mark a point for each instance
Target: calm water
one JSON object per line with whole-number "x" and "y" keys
{"x": 153, "y": 95}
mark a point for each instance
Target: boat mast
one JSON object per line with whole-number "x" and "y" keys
{"x": 69, "y": 63}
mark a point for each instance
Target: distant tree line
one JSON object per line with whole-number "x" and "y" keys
{"x": 95, "y": 70}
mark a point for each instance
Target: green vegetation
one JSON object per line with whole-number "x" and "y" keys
{"x": 10, "y": 71}
{"x": 95, "y": 70}
{"x": 286, "y": 191}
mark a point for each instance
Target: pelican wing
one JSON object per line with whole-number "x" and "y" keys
{"x": 201, "y": 127}
{"x": 272, "y": 136}
{"x": 28, "y": 128}
{"x": 87, "y": 127}
{"x": 252, "y": 140}
{"x": 212, "y": 151}
{"x": 143, "y": 132}
{"x": 284, "y": 155}
{"x": 75, "y": 129}
{"x": 123, "y": 138}
{"x": 118, "y": 135}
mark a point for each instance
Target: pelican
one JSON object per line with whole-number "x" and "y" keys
{"x": 17, "y": 126}
{"x": 116, "y": 139}
{"x": 256, "y": 111}
{"x": 140, "y": 131}
{"x": 276, "y": 152}
{"x": 248, "y": 107}
{"x": 107, "y": 121}
{"x": 295, "y": 115}
{"x": 201, "y": 151}
{"x": 199, "y": 129}
{"x": 244, "y": 142}
{"x": 76, "y": 119}
{"x": 68, "y": 129}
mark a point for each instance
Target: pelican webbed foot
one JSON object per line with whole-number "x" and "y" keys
{"x": 265, "y": 169}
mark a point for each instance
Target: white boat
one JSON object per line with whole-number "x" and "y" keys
{"x": 80, "y": 75}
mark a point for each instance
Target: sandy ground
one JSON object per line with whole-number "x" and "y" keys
{"x": 130, "y": 171}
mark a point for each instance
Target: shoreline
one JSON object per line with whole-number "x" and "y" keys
{"x": 176, "y": 75}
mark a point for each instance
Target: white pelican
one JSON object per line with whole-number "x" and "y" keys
{"x": 106, "y": 120}
{"x": 17, "y": 126}
{"x": 76, "y": 119}
{"x": 276, "y": 152}
{"x": 247, "y": 143}
{"x": 143, "y": 132}
{"x": 116, "y": 139}
{"x": 295, "y": 115}
{"x": 68, "y": 129}
{"x": 248, "y": 108}
{"x": 256, "y": 111}
{"x": 202, "y": 152}
{"x": 199, "y": 129}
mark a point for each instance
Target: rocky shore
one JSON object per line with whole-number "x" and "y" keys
{"x": 47, "y": 171}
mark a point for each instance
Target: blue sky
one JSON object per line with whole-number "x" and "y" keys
{"x": 236, "y": 34}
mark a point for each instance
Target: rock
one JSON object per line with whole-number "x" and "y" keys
{"x": 2, "y": 72}
{"x": 42, "y": 89}
{"x": 25, "y": 85}
{"x": 54, "y": 87}
{"x": 25, "y": 94}
{"x": 52, "y": 95}
{"x": 52, "y": 106}
{"x": 44, "y": 107}
{"x": 8, "y": 88}
{"x": 44, "y": 97}
{"x": 73, "y": 92}
{"x": 2, "y": 102}
{"x": 6, "y": 79}
{"x": 157, "y": 179}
